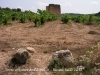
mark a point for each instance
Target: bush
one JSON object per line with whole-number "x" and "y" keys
{"x": 65, "y": 18}
{"x": 55, "y": 64}
{"x": 91, "y": 20}
{"x": 43, "y": 16}
{"x": 15, "y": 16}
{"x": 23, "y": 18}
{"x": 37, "y": 20}
{"x": 6, "y": 19}
{"x": 30, "y": 15}
{"x": 80, "y": 18}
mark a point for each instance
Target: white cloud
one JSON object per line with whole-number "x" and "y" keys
{"x": 68, "y": 4}
{"x": 32, "y": 8}
{"x": 94, "y": 2}
{"x": 42, "y": 4}
{"x": 77, "y": 10}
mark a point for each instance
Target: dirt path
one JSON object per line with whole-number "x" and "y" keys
{"x": 46, "y": 39}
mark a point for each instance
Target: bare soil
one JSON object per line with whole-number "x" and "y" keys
{"x": 46, "y": 39}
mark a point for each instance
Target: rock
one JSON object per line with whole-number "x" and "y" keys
{"x": 97, "y": 71}
{"x": 83, "y": 58}
{"x": 31, "y": 50}
{"x": 65, "y": 56}
{"x": 21, "y": 56}
{"x": 92, "y": 32}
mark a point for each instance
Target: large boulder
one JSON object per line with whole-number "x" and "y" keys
{"x": 65, "y": 56}
{"x": 21, "y": 56}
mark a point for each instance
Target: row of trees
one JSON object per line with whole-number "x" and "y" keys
{"x": 7, "y": 15}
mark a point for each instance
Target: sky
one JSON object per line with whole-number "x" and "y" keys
{"x": 67, "y": 6}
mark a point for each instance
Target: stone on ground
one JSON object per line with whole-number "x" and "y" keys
{"x": 65, "y": 56}
{"x": 21, "y": 56}
{"x": 31, "y": 50}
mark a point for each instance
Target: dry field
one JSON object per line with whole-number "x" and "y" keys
{"x": 51, "y": 37}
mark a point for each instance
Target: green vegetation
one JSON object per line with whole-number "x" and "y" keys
{"x": 55, "y": 64}
{"x": 7, "y": 15}
{"x": 43, "y": 16}
{"x": 90, "y": 19}
{"x": 66, "y": 18}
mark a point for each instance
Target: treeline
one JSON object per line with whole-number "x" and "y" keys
{"x": 89, "y": 19}
{"x": 7, "y": 15}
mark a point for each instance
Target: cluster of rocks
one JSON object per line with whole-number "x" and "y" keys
{"x": 65, "y": 56}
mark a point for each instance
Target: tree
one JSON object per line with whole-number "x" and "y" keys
{"x": 18, "y": 9}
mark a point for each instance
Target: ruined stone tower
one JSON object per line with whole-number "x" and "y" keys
{"x": 54, "y": 8}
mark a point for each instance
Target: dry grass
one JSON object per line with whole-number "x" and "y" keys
{"x": 45, "y": 40}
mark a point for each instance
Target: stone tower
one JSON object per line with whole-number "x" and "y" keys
{"x": 54, "y": 8}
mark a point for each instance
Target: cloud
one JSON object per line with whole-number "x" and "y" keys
{"x": 32, "y": 7}
{"x": 42, "y": 4}
{"x": 77, "y": 10}
{"x": 94, "y": 2}
{"x": 68, "y": 4}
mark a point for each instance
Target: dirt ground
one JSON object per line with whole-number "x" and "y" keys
{"x": 46, "y": 39}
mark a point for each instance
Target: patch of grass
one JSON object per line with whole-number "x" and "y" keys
{"x": 55, "y": 63}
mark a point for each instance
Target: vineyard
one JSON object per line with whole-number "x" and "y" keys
{"x": 8, "y": 15}
{"x": 46, "y": 33}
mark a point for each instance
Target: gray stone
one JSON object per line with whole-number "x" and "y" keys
{"x": 21, "y": 55}
{"x": 65, "y": 56}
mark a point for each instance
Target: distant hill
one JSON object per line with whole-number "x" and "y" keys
{"x": 73, "y": 13}
{"x": 77, "y": 14}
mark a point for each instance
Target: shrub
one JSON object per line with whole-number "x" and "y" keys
{"x": 37, "y": 20}
{"x": 18, "y": 10}
{"x": 30, "y": 15}
{"x": 15, "y": 16}
{"x": 80, "y": 18}
{"x": 55, "y": 64}
{"x": 91, "y": 20}
{"x": 43, "y": 16}
{"x": 23, "y": 18}
{"x": 65, "y": 18}
{"x": 6, "y": 20}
